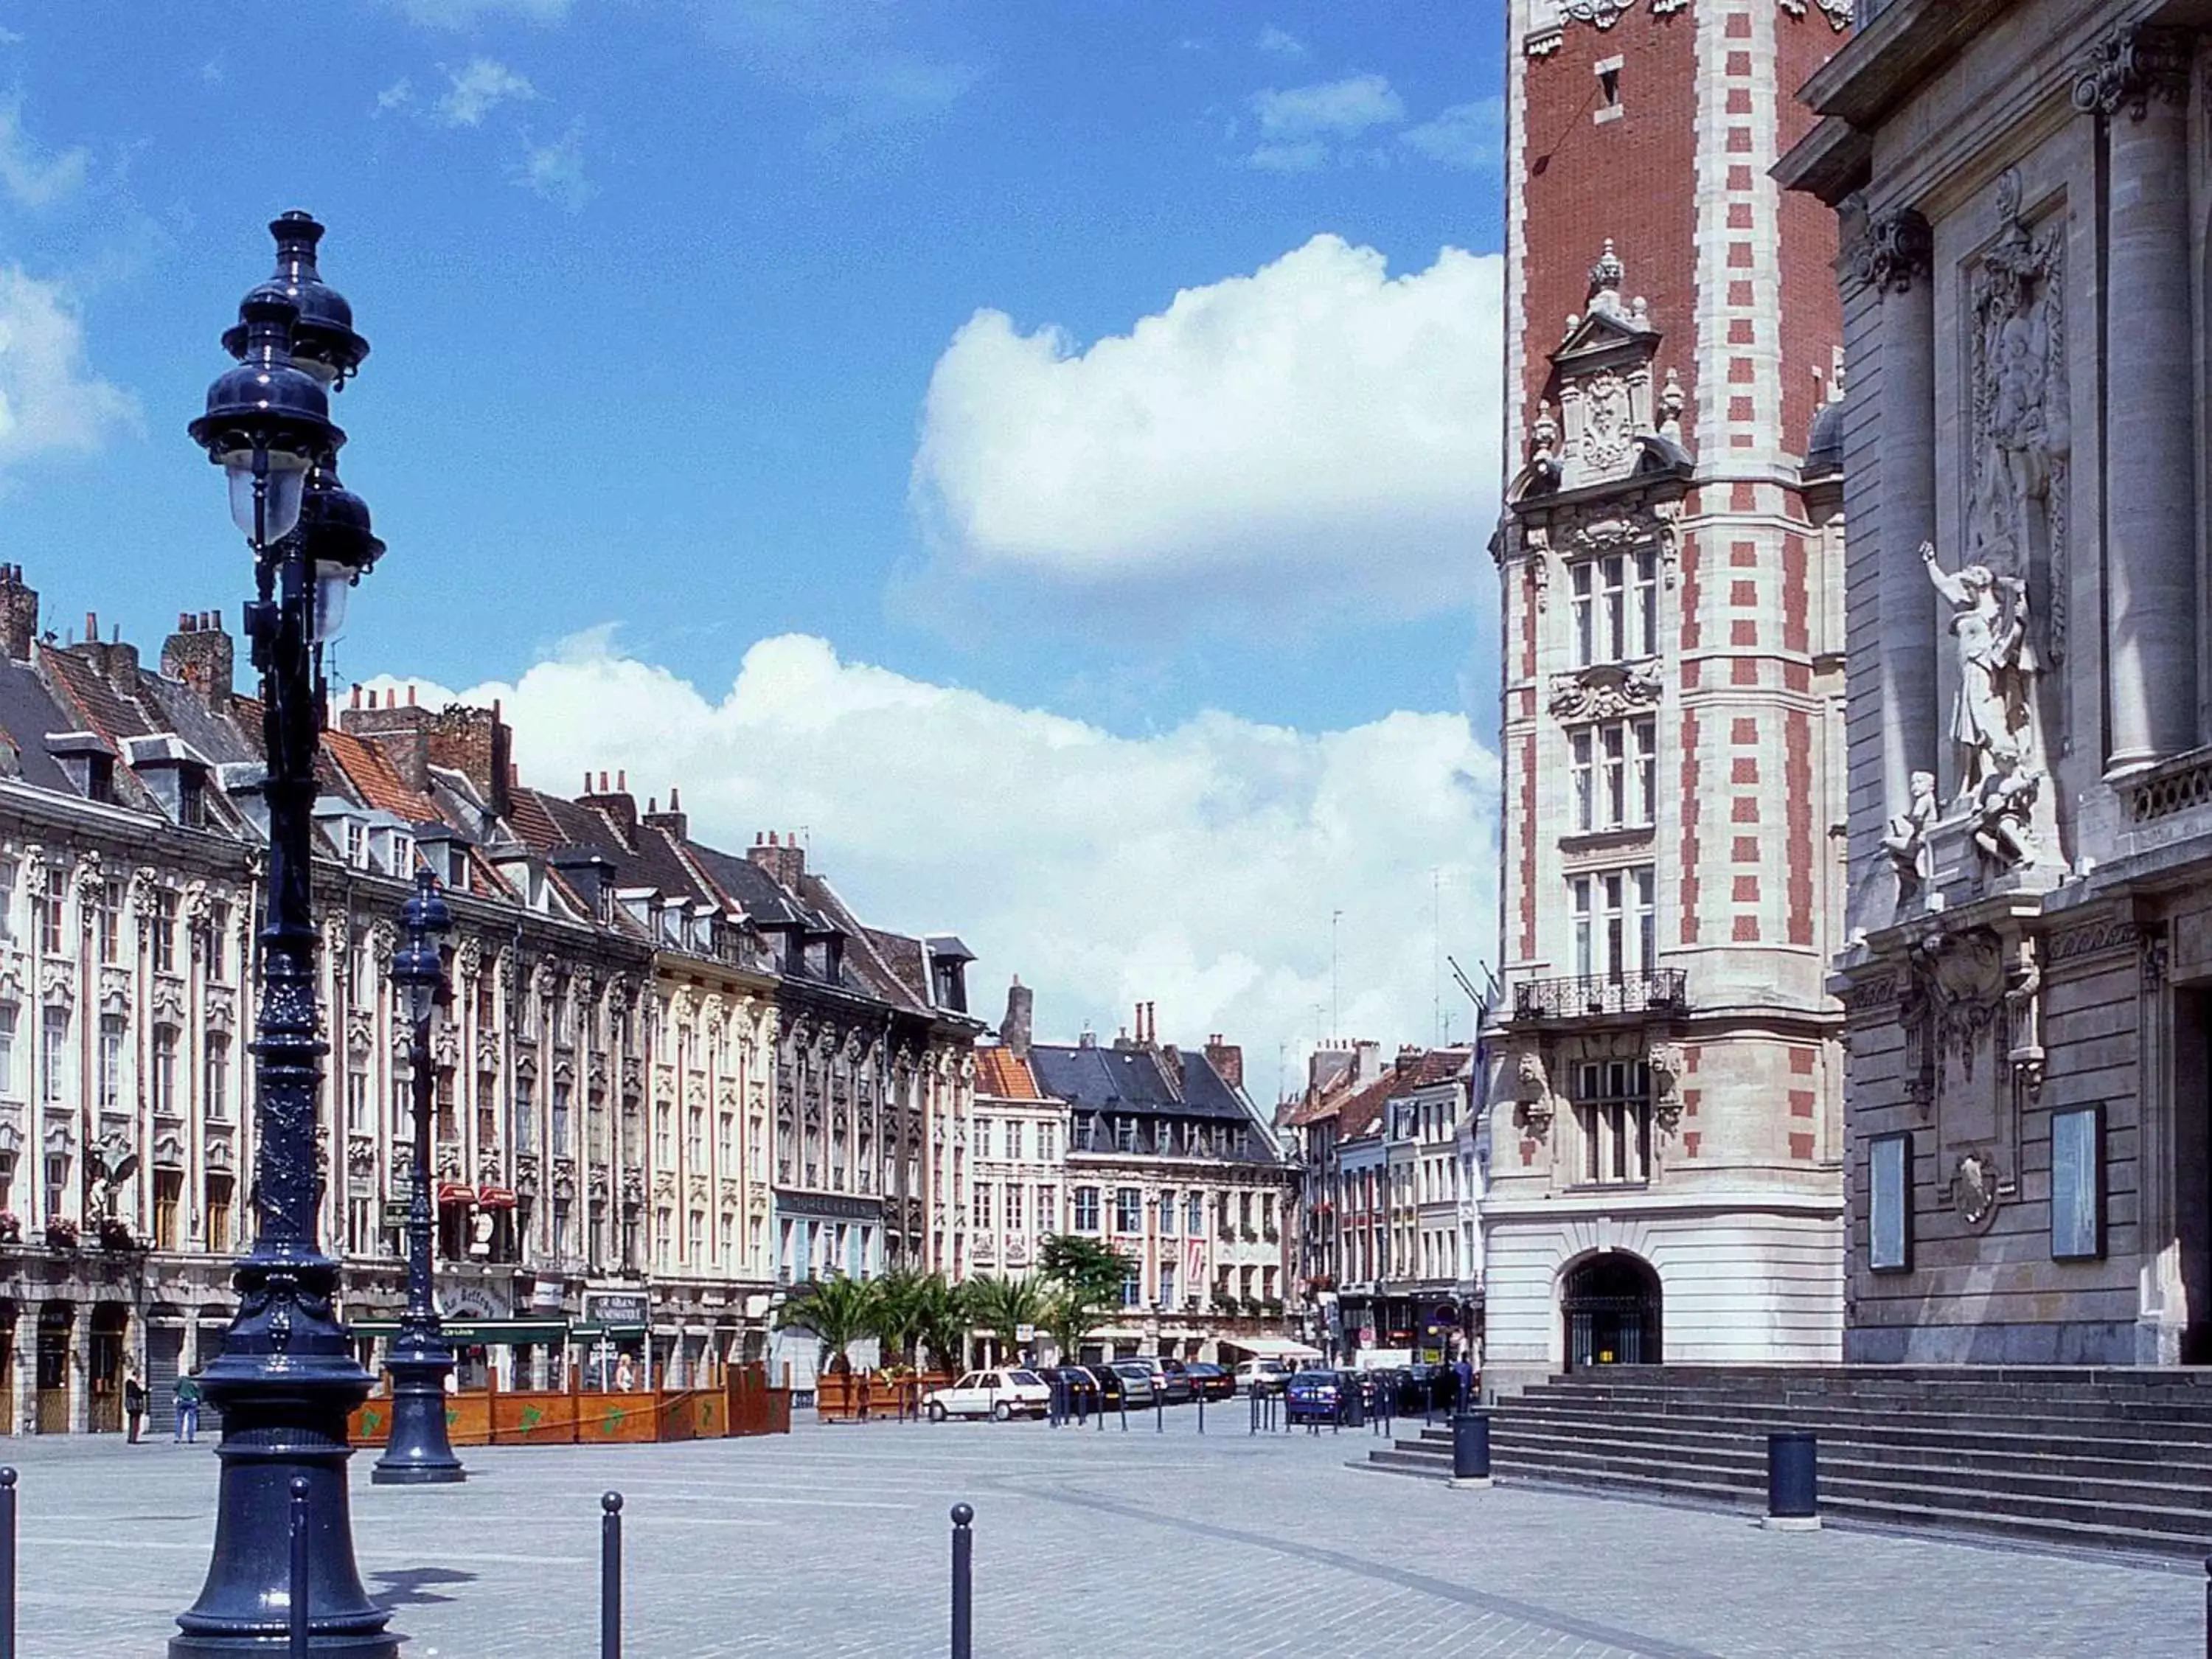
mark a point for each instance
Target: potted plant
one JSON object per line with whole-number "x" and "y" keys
{"x": 61, "y": 1233}
{"x": 115, "y": 1234}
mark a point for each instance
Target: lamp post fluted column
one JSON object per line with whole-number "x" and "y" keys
{"x": 287, "y": 1378}
{"x": 420, "y": 1452}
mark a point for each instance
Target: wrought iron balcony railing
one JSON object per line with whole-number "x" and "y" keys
{"x": 1657, "y": 990}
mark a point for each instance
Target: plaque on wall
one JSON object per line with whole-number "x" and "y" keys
{"x": 2077, "y": 1184}
{"x": 1889, "y": 1203}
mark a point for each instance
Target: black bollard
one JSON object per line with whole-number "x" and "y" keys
{"x": 296, "y": 1591}
{"x": 10, "y": 1653}
{"x": 1254, "y": 1403}
{"x": 1159, "y": 1411}
{"x": 611, "y": 1506}
{"x": 7, "y": 1563}
{"x": 1125, "y": 1408}
{"x": 1793, "y": 1480}
{"x": 1471, "y": 1450}
{"x": 1201, "y": 1413}
{"x": 964, "y": 1589}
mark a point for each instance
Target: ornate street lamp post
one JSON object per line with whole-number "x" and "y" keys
{"x": 419, "y": 1453}
{"x": 287, "y": 1378}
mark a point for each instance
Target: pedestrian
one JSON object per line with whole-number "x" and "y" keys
{"x": 1465, "y": 1373}
{"x": 188, "y": 1410}
{"x": 134, "y": 1403}
{"x": 625, "y": 1374}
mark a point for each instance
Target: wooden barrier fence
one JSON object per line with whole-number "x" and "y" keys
{"x": 744, "y": 1405}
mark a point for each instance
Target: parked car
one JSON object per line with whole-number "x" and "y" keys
{"x": 997, "y": 1394}
{"x": 1313, "y": 1397}
{"x": 1210, "y": 1382}
{"x": 1080, "y": 1390}
{"x": 1109, "y": 1386}
{"x": 1261, "y": 1377}
{"x": 1138, "y": 1386}
{"x": 1170, "y": 1379}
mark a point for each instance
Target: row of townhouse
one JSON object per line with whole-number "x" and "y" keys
{"x": 1394, "y": 1156}
{"x": 1156, "y": 1151}
{"x": 671, "y": 1079}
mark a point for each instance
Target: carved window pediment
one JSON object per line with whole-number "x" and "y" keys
{"x": 1607, "y": 690}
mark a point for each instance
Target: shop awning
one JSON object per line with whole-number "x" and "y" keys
{"x": 456, "y": 1191}
{"x": 1271, "y": 1347}
{"x": 494, "y": 1198}
{"x": 477, "y": 1333}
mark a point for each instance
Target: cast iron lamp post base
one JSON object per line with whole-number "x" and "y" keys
{"x": 419, "y": 1452}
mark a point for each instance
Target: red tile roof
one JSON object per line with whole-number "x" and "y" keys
{"x": 1004, "y": 1075}
{"x": 371, "y": 772}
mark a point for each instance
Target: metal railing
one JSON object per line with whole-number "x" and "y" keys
{"x": 1578, "y": 995}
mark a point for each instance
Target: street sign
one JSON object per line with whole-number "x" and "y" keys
{"x": 1024, "y": 1333}
{"x": 395, "y": 1215}
{"x": 619, "y": 1310}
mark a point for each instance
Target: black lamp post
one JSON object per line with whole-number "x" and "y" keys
{"x": 419, "y": 1452}
{"x": 287, "y": 1378}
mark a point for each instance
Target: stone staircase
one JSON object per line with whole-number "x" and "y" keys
{"x": 2097, "y": 1458}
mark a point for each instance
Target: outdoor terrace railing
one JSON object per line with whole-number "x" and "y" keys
{"x": 1576, "y": 995}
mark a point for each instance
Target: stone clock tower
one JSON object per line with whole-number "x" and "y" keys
{"x": 1666, "y": 1075}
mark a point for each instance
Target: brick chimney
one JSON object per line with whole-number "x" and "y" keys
{"x": 112, "y": 660}
{"x": 675, "y": 823}
{"x": 785, "y": 861}
{"x": 19, "y": 614}
{"x": 1014, "y": 1029}
{"x": 199, "y": 655}
{"x": 1226, "y": 1058}
{"x": 479, "y": 746}
{"x": 617, "y": 805}
{"x": 401, "y": 730}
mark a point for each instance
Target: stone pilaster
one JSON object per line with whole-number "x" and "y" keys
{"x": 1895, "y": 257}
{"x": 2136, "y": 83}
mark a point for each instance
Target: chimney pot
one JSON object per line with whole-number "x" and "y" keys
{"x": 603, "y": 783}
{"x": 674, "y": 804}
{"x": 371, "y": 699}
{"x": 411, "y": 694}
{"x": 185, "y": 622}
{"x": 772, "y": 840}
{"x": 514, "y": 775}
{"x": 91, "y": 629}
{"x": 356, "y": 694}
{"x": 622, "y": 781}
{"x": 652, "y": 805}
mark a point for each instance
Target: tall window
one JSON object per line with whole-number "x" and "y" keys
{"x": 526, "y": 1115}
{"x": 726, "y": 1142}
{"x": 1015, "y": 1135}
{"x": 109, "y": 1083}
{"x": 1086, "y": 1209}
{"x": 1167, "y": 1284}
{"x": 218, "y": 943}
{"x": 165, "y": 930}
{"x": 1013, "y": 1207}
{"x": 54, "y": 1033}
{"x": 983, "y": 1137}
{"x": 560, "y": 1146}
{"x": 7, "y": 900}
{"x": 8, "y": 1014}
{"x": 108, "y": 917}
{"x": 217, "y": 1066}
{"x": 694, "y": 1137}
{"x": 1132, "y": 1288}
{"x": 1613, "y": 1106}
{"x": 1616, "y": 607}
{"x": 218, "y": 1212}
{"x": 664, "y": 1136}
{"x": 356, "y": 1103}
{"x": 1614, "y": 774}
{"x": 1125, "y": 1135}
{"x": 1615, "y": 929}
{"x": 1166, "y": 1215}
{"x": 448, "y": 1117}
{"x": 46, "y": 912}
{"x": 1194, "y": 1215}
{"x": 163, "y": 1083}
{"x": 1128, "y": 1209}
{"x": 663, "y": 1235}
{"x": 168, "y": 1188}
{"x": 1047, "y": 1143}
{"x": 982, "y": 1214}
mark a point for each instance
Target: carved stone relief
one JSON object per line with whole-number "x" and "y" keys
{"x": 1605, "y": 692}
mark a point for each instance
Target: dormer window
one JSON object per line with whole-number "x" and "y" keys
{"x": 192, "y": 798}
{"x": 100, "y": 778}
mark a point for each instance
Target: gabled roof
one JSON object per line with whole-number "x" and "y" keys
{"x": 27, "y": 713}
{"x": 375, "y": 780}
{"x": 1004, "y": 1075}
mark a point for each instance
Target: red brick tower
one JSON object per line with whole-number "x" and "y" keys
{"x": 1671, "y": 565}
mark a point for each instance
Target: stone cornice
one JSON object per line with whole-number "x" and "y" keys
{"x": 1879, "y": 67}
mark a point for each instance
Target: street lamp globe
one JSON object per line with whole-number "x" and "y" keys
{"x": 418, "y": 965}
{"x": 324, "y": 343}
{"x": 341, "y": 548}
{"x": 266, "y": 423}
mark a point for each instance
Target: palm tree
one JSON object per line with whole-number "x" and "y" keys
{"x": 1002, "y": 1307}
{"x": 897, "y": 1314}
{"x": 941, "y": 1320}
{"x": 1068, "y": 1318}
{"x": 839, "y": 1311}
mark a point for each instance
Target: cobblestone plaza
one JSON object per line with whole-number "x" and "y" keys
{"x": 834, "y": 1542}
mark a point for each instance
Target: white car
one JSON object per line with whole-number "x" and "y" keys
{"x": 1262, "y": 1377}
{"x": 997, "y": 1394}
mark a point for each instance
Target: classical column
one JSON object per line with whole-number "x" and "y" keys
{"x": 1895, "y": 257}
{"x": 2138, "y": 84}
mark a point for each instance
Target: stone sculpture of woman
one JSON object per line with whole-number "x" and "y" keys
{"x": 1988, "y": 623}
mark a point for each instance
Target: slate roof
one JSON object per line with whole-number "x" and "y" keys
{"x": 27, "y": 713}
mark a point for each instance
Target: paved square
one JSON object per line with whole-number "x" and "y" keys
{"x": 834, "y": 1542}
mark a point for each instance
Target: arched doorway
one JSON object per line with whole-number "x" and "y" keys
{"x": 1611, "y": 1307}
{"x": 55, "y": 1319}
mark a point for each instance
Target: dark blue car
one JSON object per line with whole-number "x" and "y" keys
{"x": 1312, "y": 1397}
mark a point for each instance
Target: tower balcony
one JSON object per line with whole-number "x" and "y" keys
{"x": 1656, "y": 990}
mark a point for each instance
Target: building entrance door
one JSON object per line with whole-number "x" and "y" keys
{"x": 55, "y": 1319}
{"x": 165, "y": 1353}
{"x": 104, "y": 1368}
{"x": 1611, "y": 1304}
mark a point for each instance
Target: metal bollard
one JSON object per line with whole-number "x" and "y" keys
{"x": 611, "y": 1506}
{"x": 1125, "y": 1409}
{"x": 1793, "y": 1480}
{"x": 10, "y": 1653}
{"x": 1159, "y": 1411}
{"x": 1255, "y": 1428}
{"x": 1471, "y": 1450}
{"x": 964, "y": 1589}
{"x": 296, "y": 1591}
{"x": 7, "y": 1563}
{"x": 1201, "y": 1413}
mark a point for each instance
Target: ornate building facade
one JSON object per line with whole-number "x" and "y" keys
{"x": 1665, "y": 1072}
{"x": 2028, "y": 974}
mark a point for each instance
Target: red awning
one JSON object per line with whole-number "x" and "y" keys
{"x": 454, "y": 1192}
{"x": 494, "y": 1198}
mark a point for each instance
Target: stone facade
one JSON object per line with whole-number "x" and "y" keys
{"x": 2029, "y": 988}
{"x": 1663, "y": 1068}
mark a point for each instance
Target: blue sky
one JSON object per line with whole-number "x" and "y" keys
{"x": 700, "y": 323}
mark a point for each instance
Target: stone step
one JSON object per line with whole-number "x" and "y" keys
{"x": 1759, "y": 1416}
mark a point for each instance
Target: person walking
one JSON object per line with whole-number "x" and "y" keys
{"x": 188, "y": 1411}
{"x": 134, "y": 1403}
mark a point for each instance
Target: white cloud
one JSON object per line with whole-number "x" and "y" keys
{"x": 51, "y": 403}
{"x": 1317, "y": 434}
{"x": 31, "y": 178}
{"x": 851, "y": 56}
{"x": 1341, "y": 108}
{"x": 1281, "y": 42}
{"x": 398, "y": 96}
{"x": 1468, "y": 135}
{"x": 1196, "y": 868}
{"x": 1307, "y": 156}
{"x": 555, "y": 170}
{"x": 466, "y": 14}
{"x": 476, "y": 89}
